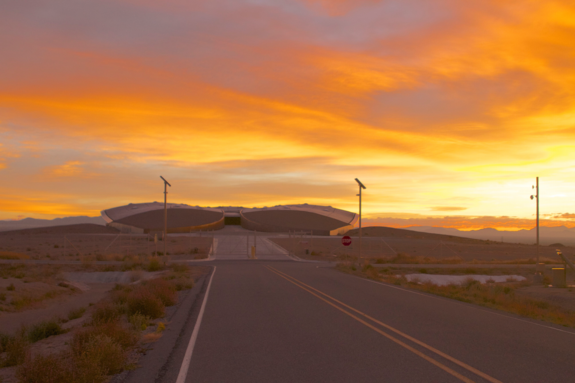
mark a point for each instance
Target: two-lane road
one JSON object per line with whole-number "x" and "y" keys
{"x": 297, "y": 322}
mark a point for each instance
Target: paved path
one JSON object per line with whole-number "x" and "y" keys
{"x": 296, "y": 322}
{"x": 237, "y": 246}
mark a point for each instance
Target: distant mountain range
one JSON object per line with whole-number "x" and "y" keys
{"x": 29, "y": 223}
{"x": 547, "y": 235}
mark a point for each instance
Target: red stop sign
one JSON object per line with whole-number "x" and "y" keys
{"x": 346, "y": 240}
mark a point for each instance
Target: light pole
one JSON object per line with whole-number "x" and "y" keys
{"x": 359, "y": 195}
{"x": 536, "y": 196}
{"x": 166, "y": 184}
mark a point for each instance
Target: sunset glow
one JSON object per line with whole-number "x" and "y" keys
{"x": 444, "y": 109}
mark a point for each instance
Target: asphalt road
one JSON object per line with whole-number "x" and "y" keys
{"x": 301, "y": 322}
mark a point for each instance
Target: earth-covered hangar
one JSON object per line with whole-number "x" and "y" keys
{"x": 182, "y": 218}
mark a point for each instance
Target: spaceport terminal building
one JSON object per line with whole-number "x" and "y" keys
{"x": 182, "y": 218}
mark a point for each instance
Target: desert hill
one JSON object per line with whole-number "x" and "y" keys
{"x": 390, "y": 232}
{"x": 82, "y": 228}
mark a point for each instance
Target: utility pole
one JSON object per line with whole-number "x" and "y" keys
{"x": 360, "y": 187}
{"x": 536, "y": 196}
{"x": 166, "y": 184}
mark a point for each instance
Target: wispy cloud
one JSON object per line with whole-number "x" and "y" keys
{"x": 69, "y": 169}
{"x": 447, "y": 208}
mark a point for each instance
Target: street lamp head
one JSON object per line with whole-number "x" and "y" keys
{"x": 166, "y": 181}
{"x": 360, "y": 184}
{"x": 531, "y": 197}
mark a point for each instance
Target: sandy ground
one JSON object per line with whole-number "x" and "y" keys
{"x": 564, "y": 297}
{"x": 328, "y": 248}
{"x": 56, "y": 308}
{"x": 87, "y": 289}
{"x": 95, "y": 242}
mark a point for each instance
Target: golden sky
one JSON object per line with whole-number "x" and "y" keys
{"x": 442, "y": 108}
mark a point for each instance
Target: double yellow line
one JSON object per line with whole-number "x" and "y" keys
{"x": 332, "y": 302}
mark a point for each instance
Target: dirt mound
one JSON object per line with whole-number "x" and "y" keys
{"x": 390, "y": 232}
{"x": 82, "y": 228}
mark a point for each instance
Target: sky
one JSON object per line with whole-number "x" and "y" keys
{"x": 446, "y": 110}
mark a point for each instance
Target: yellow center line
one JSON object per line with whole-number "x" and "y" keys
{"x": 434, "y": 350}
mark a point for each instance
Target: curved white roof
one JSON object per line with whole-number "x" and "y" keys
{"x": 117, "y": 213}
{"x": 328, "y": 211}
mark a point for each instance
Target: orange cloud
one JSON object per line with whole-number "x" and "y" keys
{"x": 448, "y": 208}
{"x": 69, "y": 169}
{"x": 434, "y": 106}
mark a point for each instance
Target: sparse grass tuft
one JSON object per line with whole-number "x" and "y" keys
{"x": 15, "y": 348}
{"x": 126, "y": 338}
{"x": 51, "y": 368}
{"x": 102, "y": 352}
{"x": 154, "y": 264}
{"x": 180, "y": 268}
{"x": 76, "y": 313}
{"x": 106, "y": 312}
{"x": 11, "y": 287}
{"x": 44, "y": 330}
{"x": 145, "y": 302}
{"x": 162, "y": 289}
{"x": 139, "y": 321}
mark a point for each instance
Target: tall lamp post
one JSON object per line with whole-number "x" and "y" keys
{"x": 359, "y": 195}
{"x": 536, "y": 196}
{"x": 166, "y": 184}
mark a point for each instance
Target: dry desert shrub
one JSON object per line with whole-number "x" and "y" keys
{"x": 102, "y": 352}
{"x": 162, "y": 289}
{"x": 51, "y": 368}
{"x": 139, "y": 321}
{"x": 154, "y": 264}
{"x": 106, "y": 312}
{"x": 44, "y": 330}
{"x": 13, "y": 348}
{"x": 179, "y": 276}
{"x": 143, "y": 301}
{"x": 370, "y": 271}
{"x": 100, "y": 356}
{"x": 114, "y": 330}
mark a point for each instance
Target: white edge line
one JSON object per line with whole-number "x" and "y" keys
{"x": 188, "y": 356}
{"x": 468, "y": 305}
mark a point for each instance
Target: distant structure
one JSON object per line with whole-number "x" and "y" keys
{"x": 148, "y": 218}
